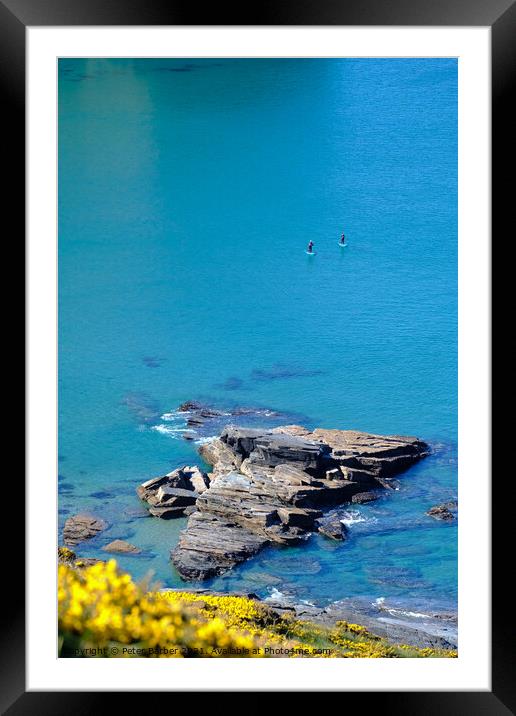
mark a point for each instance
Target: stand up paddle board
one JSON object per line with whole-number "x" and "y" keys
{"x": 310, "y": 253}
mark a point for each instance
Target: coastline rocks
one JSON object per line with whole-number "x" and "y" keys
{"x": 170, "y": 494}
{"x": 120, "y": 546}
{"x": 81, "y": 527}
{"x": 268, "y": 486}
{"x": 442, "y": 512}
{"x": 396, "y": 625}
{"x": 332, "y": 527}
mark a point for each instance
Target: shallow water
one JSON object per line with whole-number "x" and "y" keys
{"x": 188, "y": 191}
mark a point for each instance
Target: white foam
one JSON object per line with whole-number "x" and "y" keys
{"x": 167, "y": 430}
{"x": 402, "y": 612}
{"x": 203, "y": 441}
{"x": 353, "y": 517}
{"x": 275, "y": 596}
{"x": 174, "y": 416}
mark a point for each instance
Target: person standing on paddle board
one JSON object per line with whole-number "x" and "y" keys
{"x": 310, "y": 246}
{"x": 342, "y": 241}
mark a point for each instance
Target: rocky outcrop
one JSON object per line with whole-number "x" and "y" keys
{"x": 81, "y": 527}
{"x": 170, "y": 494}
{"x": 120, "y": 546}
{"x": 210, "y": 546}
{"x": 271, "y": 486}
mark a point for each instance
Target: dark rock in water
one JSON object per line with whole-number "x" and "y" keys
{"x": 201, "y": 416}
{"x": 331, "y": 526}
{"x": 120, "y": 546}
{"x": 82, "y": 527}
{"x": 361, "y": 498}
{"x": 440, "y": 512}
{"x": 170, "y": 494}
{"x": 199, "y": 413}
{"x": 101, "y": 494}
{"x": 189, "y": 405}
{"x": 204, "y": 420}
{"x": 268, "y": 486}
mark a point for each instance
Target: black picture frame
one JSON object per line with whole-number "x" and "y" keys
{"x": 500, "y": 16}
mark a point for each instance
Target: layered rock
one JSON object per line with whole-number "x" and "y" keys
{"x": 210, "y": 546}
{"x": 81, "y": 527}
{"x": 171, "y": 494}
{"x": 364, "y": 457}
{"x": 270, "y": 486}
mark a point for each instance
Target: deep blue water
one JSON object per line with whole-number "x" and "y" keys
{"x": 188, "y": 191}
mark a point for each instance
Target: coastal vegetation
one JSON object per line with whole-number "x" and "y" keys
{"x": 104, "y": 613}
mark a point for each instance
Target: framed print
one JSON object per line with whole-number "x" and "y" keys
{"x": 258, "y": 356}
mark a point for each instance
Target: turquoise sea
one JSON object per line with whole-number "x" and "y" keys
{"x": 188, "y": 190}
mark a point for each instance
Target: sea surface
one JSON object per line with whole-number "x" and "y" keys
{"x": 188, "y": 190}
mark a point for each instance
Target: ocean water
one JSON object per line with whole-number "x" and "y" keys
{"x": 188, "y": 190}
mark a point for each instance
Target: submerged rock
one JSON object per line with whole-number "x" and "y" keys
{"x": 203, "y": 420}
{"x": 269, "y": 486}
{"x": 81, "y": 527}
{"x": 120, "y": 546}
{"x": 441, "y": 512}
